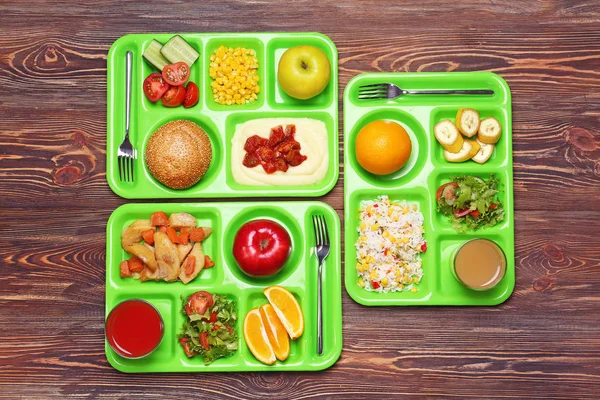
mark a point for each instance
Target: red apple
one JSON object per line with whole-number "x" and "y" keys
{"x": 261, "y": 247}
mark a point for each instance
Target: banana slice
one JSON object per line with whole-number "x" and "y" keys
{"x": 484, "y": 153}
{"x": 489, "y": 130}
{"x": 474, "y": 147}
{"x": 465, "y": 153}
{"x": 446, "y": 133}
{"x": 467, "y": 121}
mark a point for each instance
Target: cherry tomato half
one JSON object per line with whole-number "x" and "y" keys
{"x": 204, "y": 341}
{"x": 191, "y": 95}
{"x": 155, "y": 86}
{"x": 199, "y": 302}
{"x": 184, "y": 342}
{"x": 176, "y": 74}
{"x": 461, "y": 213}
{"x": 174, "y": 96}
{"x": 447, "y": 192}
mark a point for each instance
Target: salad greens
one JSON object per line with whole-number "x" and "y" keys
{"x": 470, "y": 202}
{"x": 212, "y": 334}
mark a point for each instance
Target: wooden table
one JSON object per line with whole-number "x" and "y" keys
{"x": 544, "y": 342}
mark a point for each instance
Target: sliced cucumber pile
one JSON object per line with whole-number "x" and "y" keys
{"x": 177, "y": 50}
{"x": 154, "y": 56}
{"x": 174, "y": 51}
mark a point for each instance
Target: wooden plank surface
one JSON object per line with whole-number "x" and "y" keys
{"x": 544, "y": 342}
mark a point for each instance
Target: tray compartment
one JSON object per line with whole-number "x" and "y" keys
{"x": 418, "y": 156}
{"x": 276, "y": 97}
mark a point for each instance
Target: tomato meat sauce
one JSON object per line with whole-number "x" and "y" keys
{"x": 277, "y": 153}
{"x": 134, "y": 328}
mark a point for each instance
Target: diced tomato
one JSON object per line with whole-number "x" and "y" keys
{"x": 204, "y": 341}
{"x": 148, "y": 236}
{"x": 280, "y": 164}
{"x": 124, "y": 267}
{"x": 190, "y": 265}
{"x": 159, "y": 218}
{"x": 176, "y": 74}
{"x": 215, "y": 327}
{"x": 375, "y": 284}
{"x": 191, "y": 95}
{"x": 173, "y": 97}
{"x": 135, "y": 264}
{"x": 461, "y": 213}
{"x": 197, "y": 235}
{"x": 474, "y": 214}
{"x": 162, "y": 229}
{"x": 290, "y": 130}
{"x": 276, "y": 136}
{"x": 184, "y": 342}
{"x": 294, "y": 158}
{"x": 286, "y": 146}
{"x": 172, "y": 234}
{"x": 230, "y": 329}
{"x": 265, "y": 154}
{"x": 155, "y": 86}
{"x": 254, "y": 142}
{"x": 493, "y": 206}
{"x": 184, "y": 237}
{"x": 424, "y": 247}
{"x": 250, "y": 160}
{"x": 212, "y": 319}
{"x": 269, "y": 167}
{"x": 208, "y": 263}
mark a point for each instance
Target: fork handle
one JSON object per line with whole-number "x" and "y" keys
{"x": 447, "y": 91}
{"x": 320, "y": 312}
{"x": 128, "y": 61}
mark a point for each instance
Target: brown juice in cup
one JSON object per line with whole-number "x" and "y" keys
{"x": 480, "y": 264}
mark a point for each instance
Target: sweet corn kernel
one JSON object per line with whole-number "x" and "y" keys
{"x": 361, "y": 283}
{"x": 369, "y": 209}
{"x": 405, "y": 239}
{"x": 386, "y": 234}
{"x": 390, "y": 212}
{"x": 414, "y": 290}
{"x": 396, "y": 218}
{"x": 374, "y": 227}
{"x": 233, "y": 71}
{"x": 363, "y": 225}
{"x": 373, "y": 275}
{"x": 384, "y": 281}
{"x": 415, "y": 279}
{"x": 405, "y": 210}
{"x": 392, "y": 239}
{"x": 400, "y": 286}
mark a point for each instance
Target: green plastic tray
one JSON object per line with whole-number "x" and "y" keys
{"x": 219, "y": 121}
{"x": 299, "y": 276}
{"x": 424, "y": 172}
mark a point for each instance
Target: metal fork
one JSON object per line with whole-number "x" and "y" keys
{"x": 391, "y": 91}
{"x": 322, "y": 248}
{"x": 127, "y": 154}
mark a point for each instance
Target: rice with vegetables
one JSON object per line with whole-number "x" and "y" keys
{"x": 389, "y": 246}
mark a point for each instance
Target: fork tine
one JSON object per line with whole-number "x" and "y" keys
{"x": 131, "y": 168}
{"x": 120, "y": 168}
{"x": 373, "y": 85}
{"x": 324, "y": 225}
{"x": 315, "y": 229}
{"x": 367, "y": 92}
{"x": 371, "y": 97}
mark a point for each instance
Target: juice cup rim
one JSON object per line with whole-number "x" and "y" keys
{"x": 470, "y": 287}
{"x": 162, "y": 329}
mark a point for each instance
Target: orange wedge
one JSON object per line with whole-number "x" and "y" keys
{"x": 287, "y": 309}
{"x": 278, "y": 336}
{"x": 256, "y": 337}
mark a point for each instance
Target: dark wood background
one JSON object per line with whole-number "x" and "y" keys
{"x": 544, "y": 342}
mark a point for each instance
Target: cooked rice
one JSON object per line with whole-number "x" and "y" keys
{"x": 390, "y": 241}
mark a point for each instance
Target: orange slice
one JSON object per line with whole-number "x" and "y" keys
{"x": 278, "y": 336}
{"x": 256, "y": 337}
{"x": 287, "y": 309}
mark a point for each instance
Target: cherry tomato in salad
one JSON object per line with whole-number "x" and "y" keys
{"x": 204, "y": 341}
{"x": 191, "y": 95}
{"x": 475, "y": 214}
{"x": 174, "y": 96}
{"x": 184, "y": 342}
{"x": 493, "y": 206}
{"x": 212, "y": 319}
{"x": 198, "y": 303}
{"x": 447, "y": 192}
{"x": 155, "y": 86}
{"x": 176, "y": 74}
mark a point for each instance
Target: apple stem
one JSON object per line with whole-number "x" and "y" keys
{"x": 304, "y": 65}
{"x": 263, "y": 244}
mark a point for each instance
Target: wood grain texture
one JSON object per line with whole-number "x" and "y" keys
{"x": 543, "y": 343}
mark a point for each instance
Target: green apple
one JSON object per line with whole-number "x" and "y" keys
{"x": 303, "y": 72}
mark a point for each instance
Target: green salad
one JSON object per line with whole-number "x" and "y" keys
{"x": 209, "y": 327}
{"x": 470, "y": 202}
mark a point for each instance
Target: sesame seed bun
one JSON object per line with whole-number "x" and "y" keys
{"x": 178, "y": 154}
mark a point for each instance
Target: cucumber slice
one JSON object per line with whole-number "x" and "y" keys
{"x": 177, "y": 50}
{"x": 153, "y": 56}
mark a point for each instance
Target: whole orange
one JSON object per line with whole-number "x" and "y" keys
{"x": 382, "y": 147}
